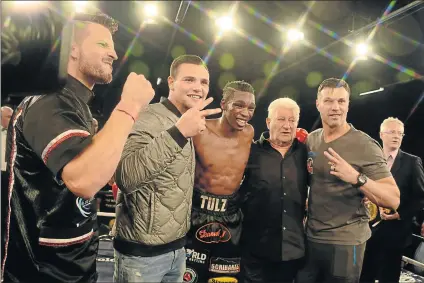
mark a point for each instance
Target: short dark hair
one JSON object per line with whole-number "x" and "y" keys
{"x": 333, "y": 83}
{"x": 234, "y": 86}
{"x": 98, "y": 18}
{"x": 186, "y": 59}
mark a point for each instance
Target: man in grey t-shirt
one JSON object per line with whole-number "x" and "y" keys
{"x": 345, "y": 165}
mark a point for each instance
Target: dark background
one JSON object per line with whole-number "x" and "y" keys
{"x": 398, "y": 41}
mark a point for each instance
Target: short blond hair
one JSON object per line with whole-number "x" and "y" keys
{"x": 389, "y": 120}
{"x": 286, "y": 103}
{"x": 6, "y": 108}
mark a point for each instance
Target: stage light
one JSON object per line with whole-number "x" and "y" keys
{"x": 295, "y": 35}
{"x": 22, "y": 2}
{"x": 362, "y": 50}
{"x": 80, "y": 6}
{"x": 159, "y": 80}
{"x": 26, "y": 6}
{"x": 150, "y": 10}
{"x": 225, "y": 23}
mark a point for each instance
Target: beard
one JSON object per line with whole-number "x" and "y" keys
{"x": 332, "y": 123}
{"x": 95, "y": 72}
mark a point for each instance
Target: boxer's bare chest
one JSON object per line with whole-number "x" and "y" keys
{"x": 221, "y": 161}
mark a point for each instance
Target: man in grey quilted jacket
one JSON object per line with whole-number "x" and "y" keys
{"x": 155, "y": 177}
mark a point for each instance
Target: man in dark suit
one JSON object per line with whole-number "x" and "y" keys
{"x": 384, "y": 249}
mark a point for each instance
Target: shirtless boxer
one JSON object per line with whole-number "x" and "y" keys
{"x": 222, "y": 151}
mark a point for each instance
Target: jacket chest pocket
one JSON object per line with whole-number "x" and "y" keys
{"x": 152, "y": 212}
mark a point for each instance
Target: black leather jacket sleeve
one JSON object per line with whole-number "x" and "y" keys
{"x": 55, "y": 129}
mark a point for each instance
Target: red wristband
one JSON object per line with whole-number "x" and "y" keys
{"x": 122, "y": 110}
{"x": 127, "y": 109}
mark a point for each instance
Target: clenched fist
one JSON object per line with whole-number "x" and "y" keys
{"x": 137, "y": 90}
{"x": 301, "y": 135}
{"x": 192, "y": 122}
{"x": 137, "y": 93}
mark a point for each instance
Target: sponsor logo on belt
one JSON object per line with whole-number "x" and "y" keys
{"x": 223, "y": 280}
{"x": 224, "y": 265}
{"x": 190, "y": 276}
{"x": 213, "y": 233}
{"x": 197, "y": 257}
{"x": 213, "y": 204}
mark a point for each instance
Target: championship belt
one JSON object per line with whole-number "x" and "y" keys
{"x": 372, "y": 210}
{"x": 374, "y": 213}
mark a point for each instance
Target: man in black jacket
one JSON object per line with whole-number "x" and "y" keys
{"x": 275, "y": 190}
{"x": 57, "y": 163}
{"x": 383, "y": 253}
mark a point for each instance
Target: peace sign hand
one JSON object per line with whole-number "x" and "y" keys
{"x": 193, "y": 122}
{"x": 340, "y": 168}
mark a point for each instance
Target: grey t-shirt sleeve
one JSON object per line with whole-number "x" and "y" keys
{"x": 374, "y": 165}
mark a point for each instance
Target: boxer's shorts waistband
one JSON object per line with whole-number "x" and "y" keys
{"x": 215, "y": 204}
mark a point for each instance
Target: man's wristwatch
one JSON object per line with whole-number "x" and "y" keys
{"x": 362, "y": 179}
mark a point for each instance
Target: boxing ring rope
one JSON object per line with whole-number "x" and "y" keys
{"x": 412, "y": 261}
{"x": 106, "y": 214}
{"x": 418, "y": 236}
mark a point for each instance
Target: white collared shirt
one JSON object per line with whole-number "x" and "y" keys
{"x": 390, "y": 157}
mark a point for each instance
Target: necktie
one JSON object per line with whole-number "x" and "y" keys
{"x": 390, "y": 162}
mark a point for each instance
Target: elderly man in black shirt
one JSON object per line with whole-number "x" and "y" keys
{"x": 275, "y": 189}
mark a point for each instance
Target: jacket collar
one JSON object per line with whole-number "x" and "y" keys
{"x": 171, "y": 107}
{"x": 397, "y": 162}
{"x": 79, "y": 89}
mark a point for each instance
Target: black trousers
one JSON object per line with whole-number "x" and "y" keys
{"x": 383, "y": 254}
{"x": 332, "y": 263}
{"x": 256, "y": 270}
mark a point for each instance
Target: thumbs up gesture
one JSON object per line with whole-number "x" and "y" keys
{"x": 193, "y": 122}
